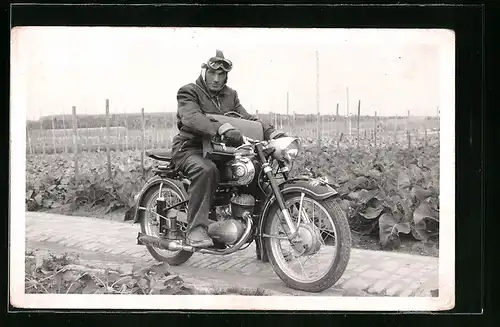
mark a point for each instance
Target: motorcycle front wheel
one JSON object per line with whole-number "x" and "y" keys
{"x": 324, "y": 243}
{"x": 150, "y": 222}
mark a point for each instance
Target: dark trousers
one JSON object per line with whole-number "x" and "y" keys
{"x": 204, "y": 177}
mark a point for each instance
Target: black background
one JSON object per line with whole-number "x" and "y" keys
{"x": 474, "y": 292}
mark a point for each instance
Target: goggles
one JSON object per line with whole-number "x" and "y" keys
{"x": 218, "y": 63}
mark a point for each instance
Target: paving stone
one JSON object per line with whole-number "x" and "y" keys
{"x": 379, "y": 286}
{"x": 212, "y": 262}
{"x": 238, "y": 266}
{"x": 120, "y": 250}
{"x": 403, "y": 271}
{"x": 416, "y": 265}
{"x": 361, "y": 268}
{"x": 250, "y": 268}
{"x": 391, "y": 291}
{"x": 229, "y": 264}
{"x": 217, "y": 263}
{"x": 43, "y": 238}
{"x": 411, "y": 288}
{"x": 341, "y": 281}
{"x": 424, "y": 270}
{"x": 356, "y": 283}
{"x": 202, "y": 261}
{"x": 389, "y": 265}
{"x": 374, "y": 273}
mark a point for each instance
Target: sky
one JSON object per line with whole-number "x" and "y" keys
{"x": 389, "y": 71}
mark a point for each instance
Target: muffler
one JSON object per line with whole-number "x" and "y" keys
{"x": 143, "y": 239}
{"x": 165, "y": 244}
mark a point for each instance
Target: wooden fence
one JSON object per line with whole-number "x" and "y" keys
{"x": 375, "y": 130}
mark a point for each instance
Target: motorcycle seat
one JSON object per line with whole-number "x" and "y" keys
{"x": 161, "y": 155}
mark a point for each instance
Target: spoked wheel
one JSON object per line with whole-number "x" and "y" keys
{"x": 150, "y": 222}
{"x": 319, "y": 259}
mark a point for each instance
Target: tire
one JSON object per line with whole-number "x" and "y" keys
{"x": 177, "y": 257}
{"x": 343, "y": 238}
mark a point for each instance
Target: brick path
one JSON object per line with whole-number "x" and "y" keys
{"x": 368, "y": 272}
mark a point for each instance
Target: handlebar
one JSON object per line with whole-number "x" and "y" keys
{"x": 246, "y": 141}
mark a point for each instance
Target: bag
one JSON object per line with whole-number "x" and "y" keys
{"x": 249, "y": 128}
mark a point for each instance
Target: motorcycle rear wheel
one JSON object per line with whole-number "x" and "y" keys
{"x": 173, "y": 258}
{"x": 342, "y": 254}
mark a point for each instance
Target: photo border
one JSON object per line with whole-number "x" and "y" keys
{"x": 73, "y": 17}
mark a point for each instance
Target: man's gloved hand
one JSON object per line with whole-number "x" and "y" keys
{"x": 276, "y": 135}
{"x": 234, "y": 137}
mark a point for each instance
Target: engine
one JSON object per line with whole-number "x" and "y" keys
{"x": 239, "y": 171}
{"x": 229, "y": 231}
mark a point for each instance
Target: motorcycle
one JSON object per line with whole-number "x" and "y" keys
{"x": 288, "y": 218}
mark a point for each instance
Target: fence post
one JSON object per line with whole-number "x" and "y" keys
{"x": 65, "y": 138}
{"x": 425, "y": 136}
{"x": 87, "y": 137}
{"x": 396, "y": 124}
{"x": 317, "y": 100}
{"x": 288, "y": 113}
{"x": 165, "y": 134}
{"x": 42, "y": 138}
{"x": 439, "y": 127}
{"x": 53, "y": 135}
{"x": 337, "y": 119}
{"x": 143, "y": 137}
{"x": 75, "y": 143}
{"x": 359, "y": 113}
{"x": 126, "y": 131}
{"x": 108, "y": 139}
{"x": 347, "y": 117}
{"x": 119, "y": 146}
{"x": 375, "y": 131}
{"x": 28, "y": 133}
{"x": 407, "y": 129}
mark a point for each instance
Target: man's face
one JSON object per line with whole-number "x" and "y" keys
{"x": 215, "y": 79}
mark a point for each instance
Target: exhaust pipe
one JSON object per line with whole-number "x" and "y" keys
{"x": 143, "y": 239}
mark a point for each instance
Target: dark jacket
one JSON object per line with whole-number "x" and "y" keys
{"x": 194, "y": 100}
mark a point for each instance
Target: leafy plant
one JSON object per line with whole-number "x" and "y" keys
{"x": 385, "y": 190}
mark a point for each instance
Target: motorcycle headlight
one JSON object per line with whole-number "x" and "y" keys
{"x": 287, "y": 148}
{"x": 291, "y": 152}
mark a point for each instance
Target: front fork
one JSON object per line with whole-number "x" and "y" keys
{"x": 276, "y": 190}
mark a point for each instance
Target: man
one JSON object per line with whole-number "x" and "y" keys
{"x": 209, "y": 94}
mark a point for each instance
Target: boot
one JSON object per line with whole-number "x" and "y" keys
{"x": 198, "y": 237}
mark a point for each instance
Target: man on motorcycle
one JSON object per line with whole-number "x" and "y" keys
{"x": 209, "y": 94}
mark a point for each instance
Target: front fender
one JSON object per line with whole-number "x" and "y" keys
{"x": 152, "y": 182}
{"x": 315, "y": 188}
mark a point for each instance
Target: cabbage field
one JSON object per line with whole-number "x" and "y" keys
{"x": 389, "y": 189}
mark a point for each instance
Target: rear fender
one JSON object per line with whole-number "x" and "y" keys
{"x": 151, "y": 183}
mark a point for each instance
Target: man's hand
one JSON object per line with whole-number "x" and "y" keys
{"x": 276, "y": 135}
{"x": 234, "y": 137}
